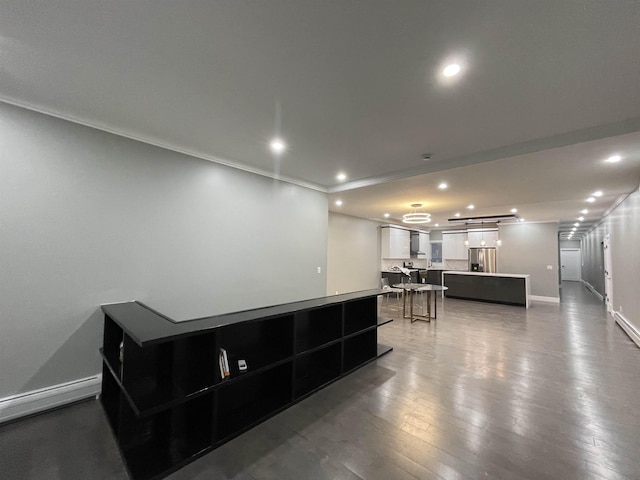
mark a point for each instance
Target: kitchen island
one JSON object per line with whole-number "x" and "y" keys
{"x": 507, "y": 288}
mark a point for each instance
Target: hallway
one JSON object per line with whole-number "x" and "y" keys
{"x": 484, "y": 392}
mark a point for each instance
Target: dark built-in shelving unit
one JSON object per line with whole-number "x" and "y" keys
{"x": 162, "y": 390}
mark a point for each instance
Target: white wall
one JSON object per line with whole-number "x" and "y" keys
{"x": 353, "y": 254}
{"x": 88, "y": 218}
{"x": 528, "y": 248}
{"x": 623, "y": 227}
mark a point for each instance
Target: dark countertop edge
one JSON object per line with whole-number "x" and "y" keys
{"x": 147, "y": 326}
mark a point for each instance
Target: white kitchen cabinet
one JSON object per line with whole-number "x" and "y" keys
{"x": 453, "y": 247}
{"x": 396, "y": 243}
{"x": 425, "y": 245}
{"x": 476, "y": 237}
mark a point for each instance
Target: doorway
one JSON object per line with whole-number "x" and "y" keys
{"x": 608, "y": 279}
{"x": 571, "y": 264}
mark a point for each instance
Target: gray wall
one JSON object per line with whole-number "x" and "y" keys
{"x": 592, "y": 258}
{"x": 528, "y": 248}
{"x": 623, "y": 227}
{"x": 88, "y": 218}
{"x": 353, "y": 254}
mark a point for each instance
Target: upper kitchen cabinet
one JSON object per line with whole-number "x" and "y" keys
{"x": 477, "y": 236}
{"x": 453, "y": 247}
{"x": 396, "y": 243}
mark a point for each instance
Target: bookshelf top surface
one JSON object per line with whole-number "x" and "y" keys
{"x": 145, "y": 326}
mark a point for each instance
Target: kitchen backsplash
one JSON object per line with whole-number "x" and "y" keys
{"x": 456, "y": 265}
{"x": 386, "y": 263}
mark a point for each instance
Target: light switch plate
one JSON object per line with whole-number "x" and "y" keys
{"x": 549, "y": 267}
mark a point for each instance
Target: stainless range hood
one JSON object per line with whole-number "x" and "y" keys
{"x": 414, "y": 249}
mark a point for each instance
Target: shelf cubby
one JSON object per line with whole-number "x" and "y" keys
{"x": 313, "y": 370}
{"x": 317, "y": 327}
{"x": 155, "y": 444}
{"x": 244, "y": 403}
{"x": 359, "y": 349}
{"x": 360, "y": 315}
{"x": 195, "y": 363}
{"x": 260, "y": 343}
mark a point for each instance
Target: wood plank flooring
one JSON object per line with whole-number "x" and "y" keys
{"x": 483, "y": 392}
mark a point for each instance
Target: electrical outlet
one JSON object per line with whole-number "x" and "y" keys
{"x": 319, "y": 269}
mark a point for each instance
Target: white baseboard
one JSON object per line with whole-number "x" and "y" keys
{"x": 36, "y": 401}
{"x": 628, "y": 328}
{"x": 539, "y": 298}
{"x": 593, "y": 290}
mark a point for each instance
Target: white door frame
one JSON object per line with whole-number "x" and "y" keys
{"x": 608, "y": 275}
{"x": 579, "y": 275}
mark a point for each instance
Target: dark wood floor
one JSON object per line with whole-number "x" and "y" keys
{"x": 485, "y": 392}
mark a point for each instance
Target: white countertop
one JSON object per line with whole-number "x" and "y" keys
{"x": 515, "y": 275}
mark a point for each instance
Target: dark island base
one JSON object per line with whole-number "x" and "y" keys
{"x": 487, "y": 288}
{"x": 488, "y": 301}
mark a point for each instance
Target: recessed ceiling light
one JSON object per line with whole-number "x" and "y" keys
{"x": 522, "y": 219}
{"x": 471, "y": 206}
{"x": 386, "y": 215}
{"x": 338, "y": 202}
{"x": 443, "y": 186}
{"x": 573, "y": 229}
{"x": 591, "y": 199}
{"x": 277, "y": 145}
{"x": 451, "y": 70}
{"x": 576, "y": 224}
{"x": 613, "y": 159}
{"x": 514, "y": 210}
{"x": 584, "y": 211}
{"x": 597, "y": 194}
{"x": 457, "y": 214}
{"x": 341, "y": 177}
{"x": 581, "y": 218}
{"x": 437, "y": 225}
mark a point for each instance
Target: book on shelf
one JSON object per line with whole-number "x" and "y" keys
{"x": 224, "y": 364}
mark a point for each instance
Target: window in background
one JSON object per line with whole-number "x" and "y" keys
{"x": 436, "y": 252}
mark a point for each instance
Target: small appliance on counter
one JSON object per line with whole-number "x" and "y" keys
{"x": 407, "y": 264}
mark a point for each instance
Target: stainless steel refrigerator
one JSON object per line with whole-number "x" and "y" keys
{"x": 482, "y": 260}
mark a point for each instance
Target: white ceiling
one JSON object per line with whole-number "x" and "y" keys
{"x": 548, "y": 90}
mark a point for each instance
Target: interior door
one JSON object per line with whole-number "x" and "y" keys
{"x": 571, "y": 265}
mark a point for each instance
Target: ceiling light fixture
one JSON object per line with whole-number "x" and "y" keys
{"x": 484, "y": 218}
{"x": 457, "y": 214}
{"x": 581, "y": 218}
{"x": 451, "y": 70}
{"x": 437, "y": 225}
{"x": 277, "y": 146}
{"x": 443, "y": 186}
{"x": 386, "y": 215}
{"x": 514, "y": 210}
{"x": 339, "y": 203}
{"x": 597, "y": 194}
{"x": 613, "y": 159}
{"x": 471, "y": 206}
{"x": 591, "y": 199}
{"x": 522, "y": 219}
{"x": 415, "y": 216}
{"x": 576, "y": 224}
{"x": 341, "y": 177}
{"x": 584, "y": 211}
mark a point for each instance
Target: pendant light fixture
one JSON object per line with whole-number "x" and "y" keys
{"x": 416, "y": 216}
{"x": 482, "y": 242}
